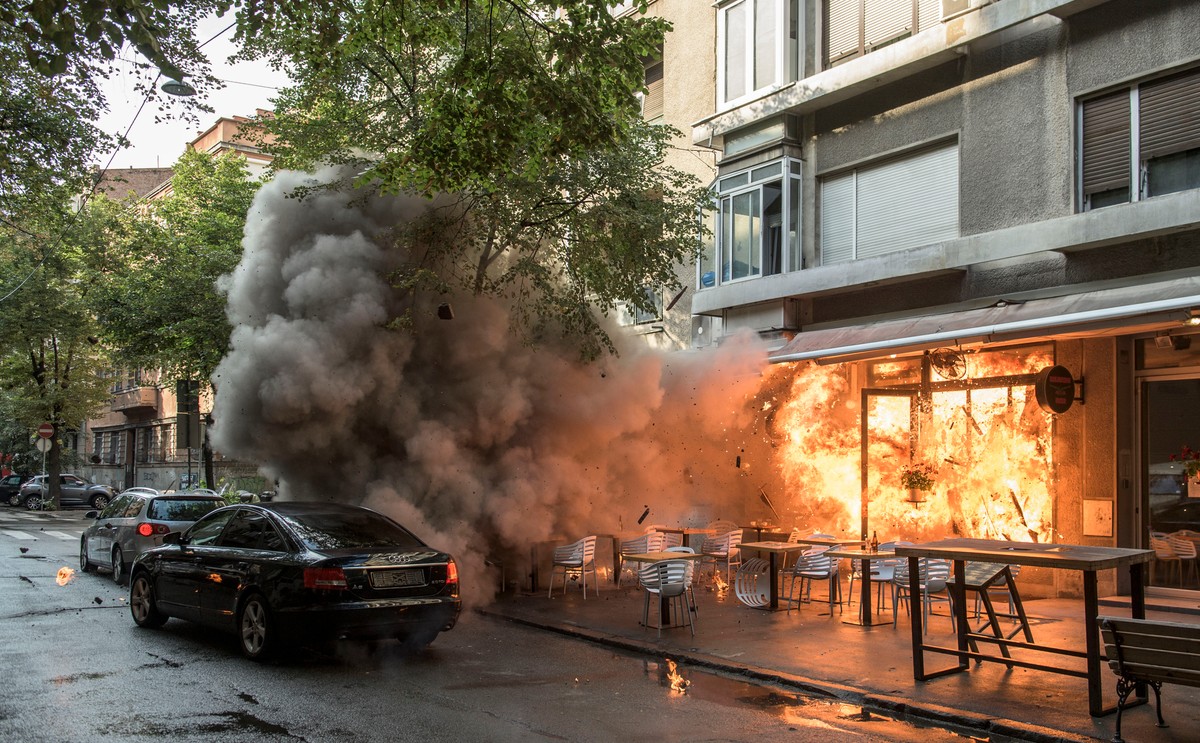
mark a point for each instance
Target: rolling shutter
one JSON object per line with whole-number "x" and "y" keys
{"x": 908, "y": 203}
{"x": 885, "y": 20}
{"x": 1106, "y": 143}
{"x": 1170, "y": 115}
{"x": 837, "y": 219}
{"x": 652, "y": 104}
{"x": 842, "y": 27}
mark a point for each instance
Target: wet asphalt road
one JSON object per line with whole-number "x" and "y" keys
{"x": 77, "y": 669}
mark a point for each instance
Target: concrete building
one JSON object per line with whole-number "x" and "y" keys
{"x": 137, "y": 442}
{"x": 949, "y": 202}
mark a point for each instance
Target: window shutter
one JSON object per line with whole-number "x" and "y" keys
{"x": 837, "y": 219}
{"x": 842, "y": 27}
{"x": 908, "y": 203}
{"x": 1170, "y": 115}
{"x": 929, "y": 14}
{"x": 1106, "y": 143}
{"x": 652, "y": 104}
{"x": 886, "y": 19}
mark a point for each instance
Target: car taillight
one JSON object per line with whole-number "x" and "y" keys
{"x": 451, "y": 573}
{"x": 144, "y": 529}
{"x": 333, "y": 579}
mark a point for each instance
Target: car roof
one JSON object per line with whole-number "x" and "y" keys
{"x": 299, "y": 508}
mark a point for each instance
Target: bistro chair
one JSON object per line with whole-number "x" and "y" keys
{"x": 670, "y": 538}
{"x": 1164, "y": 554}
{"x": 666, "y": 581}
{"x": 723, "y": 549}
{"x": 577, "y": 558}
{"x": 883, "y": 572}
{"x": 648, "y": 542}
{"x": 814, "y": 564}
{"x": 1186, "y": 550}
{"x": 934, "y": 574}
{"x": 691, "y": 572}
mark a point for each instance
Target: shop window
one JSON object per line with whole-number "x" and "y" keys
{"x": 758, "y": 47}
{"x": 896, "y": 205}
{"x": 1140, "y": 141}
{"x": 757, "y": 225}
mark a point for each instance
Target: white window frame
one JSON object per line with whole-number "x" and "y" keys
{"x": 787, "y": 69}
{"x": 729, "y": 186}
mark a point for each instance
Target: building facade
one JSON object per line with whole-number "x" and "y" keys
{"x": 953, "y": 206}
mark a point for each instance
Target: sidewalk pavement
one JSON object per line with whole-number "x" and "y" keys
{"x": 820, "y": 655}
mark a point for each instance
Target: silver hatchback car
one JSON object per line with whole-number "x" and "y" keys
{"x": 135, "y": 521}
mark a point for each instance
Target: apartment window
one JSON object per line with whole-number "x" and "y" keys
{"x": 629, "y": 314}
{"x": 652, "y": 99}
{"x": 1140, "y": 141}
{"x": 882, "y": 208}
{"x": 758, "y": 47}
{"x": 857, "y": 27}
{"x": 757, "y": 227}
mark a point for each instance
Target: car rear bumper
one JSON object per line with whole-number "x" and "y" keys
{"x": 370, "y": 619}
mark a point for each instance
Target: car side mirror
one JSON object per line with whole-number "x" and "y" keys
{"x": 92, "y": 515}
{"x": 173, "y": 537}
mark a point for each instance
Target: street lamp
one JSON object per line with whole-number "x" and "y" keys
{"x": 178, "y": 87}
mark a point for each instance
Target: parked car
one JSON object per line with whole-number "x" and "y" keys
{"x": 135, "y": 521}
{"x": 1184, "y": 514}
{"x": 10, "y": 488}
{"x": 278, "y": 573}
{"x": 74, "y": 491}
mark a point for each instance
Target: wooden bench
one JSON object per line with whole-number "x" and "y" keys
{"x": 1144, "y": 651}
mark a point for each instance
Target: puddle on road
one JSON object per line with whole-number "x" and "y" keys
{"x": 796, "y": 709}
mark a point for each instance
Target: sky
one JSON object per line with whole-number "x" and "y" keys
{"x": 248, "y": 87}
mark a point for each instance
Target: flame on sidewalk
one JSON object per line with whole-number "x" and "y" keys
{"x": 678, "y": 682}
{"x": 65, "y": 576}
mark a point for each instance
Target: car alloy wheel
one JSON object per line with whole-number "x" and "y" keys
{"x": 256, "y": 631}
{"x": 141, "y": 603}
{"x": 118, "y": 565}
{"x": 33, "y": 503}
{"x": 84, "y": 565}
{"x": 99, "y": 502}
{"x": 14, "y": 499}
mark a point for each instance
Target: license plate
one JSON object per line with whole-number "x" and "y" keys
{"x": 396, "y": 578}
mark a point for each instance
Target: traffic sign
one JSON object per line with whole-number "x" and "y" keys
{"x": 46, "y": 430}
{"x": 43, "y": 445}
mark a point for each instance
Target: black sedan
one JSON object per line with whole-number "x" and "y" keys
{"x": 279, "y": 573}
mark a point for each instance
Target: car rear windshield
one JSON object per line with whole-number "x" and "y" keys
{"x": 350, "y": 530}
{"x": 180, "y": 509}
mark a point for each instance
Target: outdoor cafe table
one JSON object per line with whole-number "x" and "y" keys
{"x": 1088, "y": 560}
{"x": 664, "y": 603}
{"x": 864, "y": 604}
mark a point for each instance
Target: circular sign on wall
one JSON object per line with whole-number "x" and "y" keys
{"x": 1055, "y": 389}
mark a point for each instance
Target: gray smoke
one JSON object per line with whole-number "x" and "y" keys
{"x": 477, "y": 442}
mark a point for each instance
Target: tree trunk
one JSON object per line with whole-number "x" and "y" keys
{"x": 53, "y": 470}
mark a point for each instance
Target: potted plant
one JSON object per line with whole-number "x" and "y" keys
{"x": 1190, "y": 460}
{"x": 917, "y": 478}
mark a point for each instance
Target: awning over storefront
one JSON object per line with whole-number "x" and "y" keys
{"x": 1163, "y": 303}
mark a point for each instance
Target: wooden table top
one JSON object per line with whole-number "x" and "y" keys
{"x": 859, "y": 554}
{"x": 1065, "y": 556}
{"x": 828, "y": 542}
{"x": 773, "y": 546}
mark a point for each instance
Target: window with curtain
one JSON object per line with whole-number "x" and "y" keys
{"x": 1116, "y": 166}
{"x": 902, "y": 203}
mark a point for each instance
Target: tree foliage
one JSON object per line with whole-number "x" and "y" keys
{"x": 158, "y": 301}
{"x": 524, "y": 110}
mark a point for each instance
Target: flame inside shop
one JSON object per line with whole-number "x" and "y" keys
{"x": 484, "y": 444}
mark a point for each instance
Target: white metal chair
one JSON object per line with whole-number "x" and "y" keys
{"x": 648, "y": 542}
{"x": 934, "y": 575}
{"x": 691, "y": 572}
{"x": 577, "y": 558}
{"x": 723, "y": 549}
{"x": 667, "y": 581}
{"x": 670, "y": 538}
{"x": 1164, "y": 554}
{"x": 1186, "y": 550}
{"x": 813, "y": 564}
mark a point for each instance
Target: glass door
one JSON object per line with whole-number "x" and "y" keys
{"x": 1171, "y": 424}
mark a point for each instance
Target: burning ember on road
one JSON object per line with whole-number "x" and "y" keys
{"x": 65, "y": 576}
{"x": 678, "y": 682}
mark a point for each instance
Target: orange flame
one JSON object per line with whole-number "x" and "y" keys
{"x": 990, "y": 445}
{"x": 65, "y": 576}
{"x": 720, "y": 583}
{"x": 678, "y": 682}
{"x": 214, "y": 577}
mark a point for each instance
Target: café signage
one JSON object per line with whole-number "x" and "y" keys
{"x": 1055, "y": 389}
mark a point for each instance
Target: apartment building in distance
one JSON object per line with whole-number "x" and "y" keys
{"x": 982, "y": 217}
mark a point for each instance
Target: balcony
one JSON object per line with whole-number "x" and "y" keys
{"x": 135, "y": 399}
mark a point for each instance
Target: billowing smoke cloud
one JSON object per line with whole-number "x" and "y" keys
{"x": 478, "y": 443}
